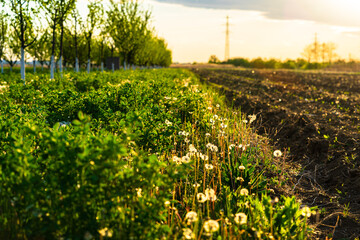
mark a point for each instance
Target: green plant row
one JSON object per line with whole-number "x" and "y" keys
{"x": 145, "y": 154}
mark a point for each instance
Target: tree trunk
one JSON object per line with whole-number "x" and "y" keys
{"x": 61, "y": 45}
{"x": 52, "y": 63}
{"x": 2, "y": 66}
{"x": 76, "y": 64}
{"x": 22, "y": 64}
{"x": 112, "y": 67}
{"x": 102, "y": 67}
{"x": 60, "y": 65}
{"x": 34, "y": 65}
{"x": 88, "y": 66}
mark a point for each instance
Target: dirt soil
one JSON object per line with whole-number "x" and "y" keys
{"x": 316, "y": 115}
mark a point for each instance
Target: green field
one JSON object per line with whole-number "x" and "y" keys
{"x": 145, "y": 154}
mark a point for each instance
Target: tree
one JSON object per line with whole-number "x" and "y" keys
{"x": 3, "y": 37}
{"x": 94, "y": 19}
{"x": 13, "y": 49}
{"x": 214, "y": 59}
{"x": 40, "y": 50}
{"x": 308, "y": 52}
{"x": 24, "y": 14}
{"x": 331, "y": 47}
{"x": 65, "y": 8}
{"x": 56, "y": 11}
{"x": 128, "y": 27}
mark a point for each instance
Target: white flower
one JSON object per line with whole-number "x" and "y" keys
{"x": 177, "y": 160}
{"x": 204, "y": 157}
{"x": 209, "y": 108}
{"x": 217, "y": 105}
{"x": 211, "y": 226}
{"x": 252, "y": 118}
{"x": 185, "y": 159}
{"x": 231, "y": 146}
{"x": 167, "y": 122}
{"x": 212, "y": 121}
{"x": 277, "y": 153}
{"x": 191, "y": 217}
{"x": 188, "y": 233}
{"x": 215, "y": 116}
{"x": 209, "y": 166}
{"x": 207, "y": 135}
{"x": 186, "y": 140}
{"x": 192, "y": 149}
{"x": 240, "y": 218}
{"x": 212, "y": 147}
{"x": 201, "y": 197}
{"x": 306, "y": 211}
{"x": 244, "y": 192}
{"x": 241, "y": 168}
{"x": 210, "y": 194}
{"x": 223, "y": 125}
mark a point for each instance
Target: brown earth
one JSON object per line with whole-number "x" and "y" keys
{"x": 317, "y": 116}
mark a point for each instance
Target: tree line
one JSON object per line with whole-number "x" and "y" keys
{"x": 314, "y": 56}
{"x": 53, "y": 33}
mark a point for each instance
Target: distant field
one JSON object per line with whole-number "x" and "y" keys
{"x": 317, "y": 116}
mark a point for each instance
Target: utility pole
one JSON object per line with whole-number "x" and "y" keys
{"x": 227, "y": 45}
{"x": 316, "y": 49}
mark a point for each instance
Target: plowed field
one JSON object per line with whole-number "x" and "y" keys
{"x": 316, "y": 116}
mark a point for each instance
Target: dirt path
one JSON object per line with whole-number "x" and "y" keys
{"x": 317, "y": 116}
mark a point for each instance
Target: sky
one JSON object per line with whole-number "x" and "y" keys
{"x": 195, "y": 29}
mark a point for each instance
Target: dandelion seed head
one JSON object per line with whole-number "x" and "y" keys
{"x": 240, "y": 218}
{"x": 191, "y": 217}
{"x": 306, "y": 211}
{"x": 167, "y": 122}
{"x": 188, "y": 233}
{"x": 209, "y": 166}
{"x": 277, "y": 153}
{"x": 244, "y": 192}
{"x": 241, "y": 168}
{"x": 185, "y": 159}
{"x": 210, "y": 194}
{"x": 177, "y": 160}
{"x": 211, "y": 226}
{"x": 201, "y": 197}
